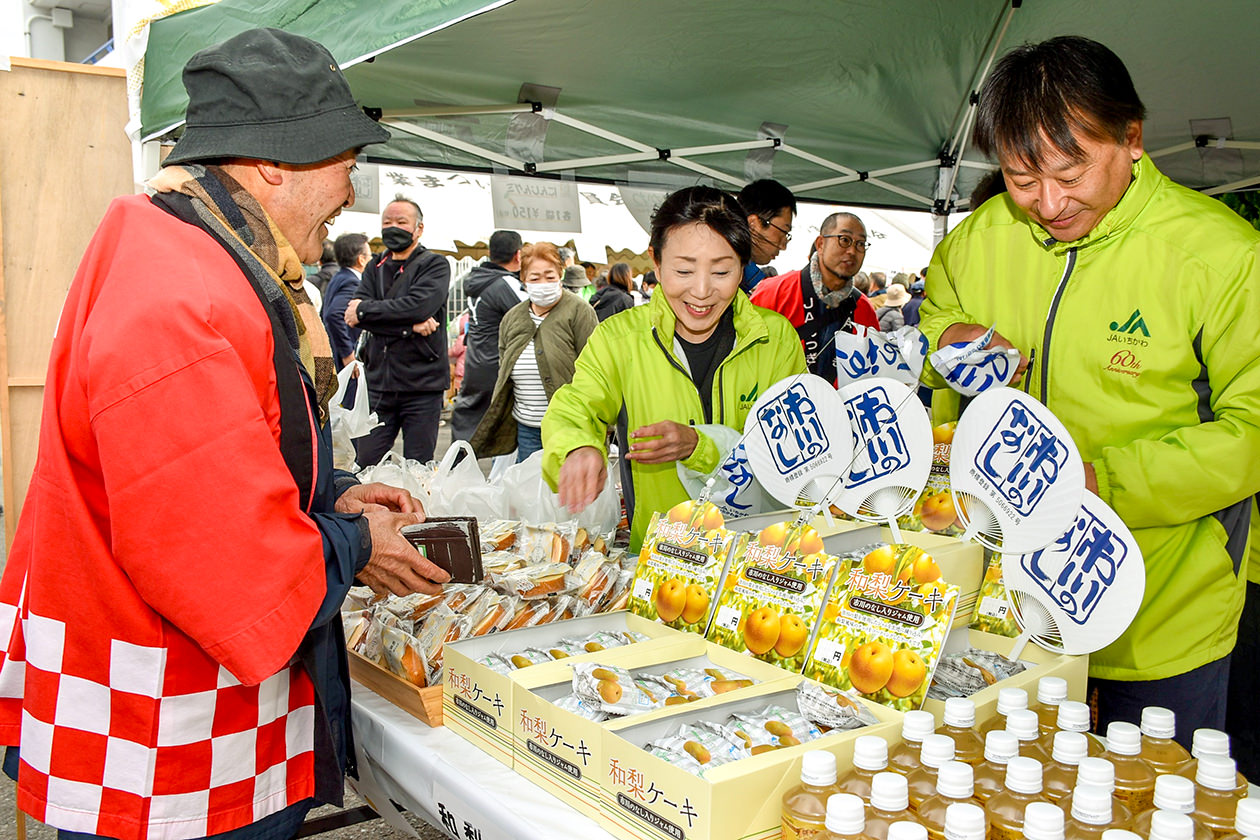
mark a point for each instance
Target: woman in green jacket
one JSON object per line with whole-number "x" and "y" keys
{"x": 667, "y": 374}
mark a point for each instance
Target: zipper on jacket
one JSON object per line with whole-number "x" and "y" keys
{"x": 720, "y": 372}
{"x": 1054, "y": 309}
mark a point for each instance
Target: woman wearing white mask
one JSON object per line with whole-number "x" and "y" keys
{"x": 539, "y": 342}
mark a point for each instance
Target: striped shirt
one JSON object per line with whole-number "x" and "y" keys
{"x": 527, "y": 385}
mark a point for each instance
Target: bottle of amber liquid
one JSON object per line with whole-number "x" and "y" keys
{"x": 870, "y": 756}
{"x": 1159, "y": 727}
{"x": 1100, "y": 772}
{"x": 1043, "y": 821}
{"x": 1060, "y": 775}
{"x": 904, "y": 830}
{"x": 953, "y": 786}
{"x": 1051, "y": 691}
{"x": 1006, "y": 809}
{"x": 1009, "y": 700}
{"x": 1023, "y": 725}
{"x": 1092, "y": 813}
{"x": 1120, "y": 834}
{"x": 805, "y": 806}
{"x": 1176, "y": 795}
{"x": 1000, "y": 747}
{"x": 846, "y": 818}
{"x": 915, "y": 726}
{"x": 890, "y": 803}
{"x": 1207, "y": 742}
{"x": 1073, "y": 717}
{"x": 964, "y": 821}
{"x": 1169, "y": 825}
{"x": 1217, "y": 794}
{"x": 960, "y": 724}
{"x": 1246, "y": 820}
{"x": 1135, "y": 780}
{"x": 921, "y": 783}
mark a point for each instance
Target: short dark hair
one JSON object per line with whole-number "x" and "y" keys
{"x": 503, "y": 246}
{"x": 833, "y": 221}
{"x": 1040, "y": 95}
{"x": 348, "y": 247}
{"x": 990, "y": 185}
{"x": 399, "y": 198}
{"x": 765, "y": 198}
{"x": 329, "y": 255}
{"x": 709, "y": 206}
{"x": 649, "y": 279}
{"x": 621, "y": 276}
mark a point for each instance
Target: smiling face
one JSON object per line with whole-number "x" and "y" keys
{"x": 1069, "y": 197}
{"x": 699, "y": 274}
{"x": 312, "y": 196}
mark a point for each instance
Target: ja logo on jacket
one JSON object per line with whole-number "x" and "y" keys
{"x": 1131, "y": 331}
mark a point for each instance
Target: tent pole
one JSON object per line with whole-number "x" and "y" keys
{"x": 1233, "y": 185}
{"x": 444, "y": 140}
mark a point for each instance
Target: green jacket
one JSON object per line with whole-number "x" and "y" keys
{"x": 557, "y": 342}
{"x": 1142, "y": 336}
{"x": 632, "y": 374}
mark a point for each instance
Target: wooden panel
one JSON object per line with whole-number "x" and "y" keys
{"x": 63, "y": 156}
{"x": 422, "y": 703}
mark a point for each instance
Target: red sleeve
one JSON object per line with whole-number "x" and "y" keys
{"x": 779, "y": 295}
{"x": 864, "y": 313}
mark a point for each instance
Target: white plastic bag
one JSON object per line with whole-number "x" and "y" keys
{"x": 396, "y": 471}
{"x": 359, "y": 420}
{"x": 735, "y": 490}
{"x": 534, "y": 504}
{"x": 461, "y": 490}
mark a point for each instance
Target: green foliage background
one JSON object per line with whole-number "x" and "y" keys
{"x": 1245, "y": 204}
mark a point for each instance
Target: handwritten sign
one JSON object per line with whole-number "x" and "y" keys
{"x": 535, "y": 204}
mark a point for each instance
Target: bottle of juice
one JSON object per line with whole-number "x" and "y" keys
{"x": 1120, "y": 834}
{"x": 870, "y": 756}
{"x": 953, "y": 786}
{"x": 1006, "y": 809}
{"x": 846, "y": 818}
{"x": 890, "y": 803}
{"x": 1060, "y": 773}
{"x": 1174, "y": 795}
{"x": 904, "y": 830}
{"x": 1100, "y": 772}
{"x": 964, "y": 821}
{"x": 805, "y": 806}
{"x": 1009, "y": 699}
{"x": 921, "y": 783}
{"x": 1217, "y": 794}
{"x": 1135, "y": 780}
{"x": 1169, "y": 825}
{"x": 1043, "y": 821}
{"x": 1207, "y": 742}
{"x": 1073, "y": 717}
{"x": 1159, "y": 727}
{"x": 1091, "y": 813}
{"x": 960, "y": 723}
{"x": 1246, "y": 820}
{"x": 1023, "y": 724}
{"x": 1051, "y": 691}
{"x": 1000, "y": 747}
{"x": 915, "y": 726}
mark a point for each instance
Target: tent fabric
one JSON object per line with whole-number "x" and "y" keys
{"x": 865, "y": 85}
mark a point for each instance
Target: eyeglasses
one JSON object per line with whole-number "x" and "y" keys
{"x": 787, "y": 234}
{"x": 845, "y": 241}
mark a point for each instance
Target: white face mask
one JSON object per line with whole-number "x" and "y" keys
{"x": 544, "y": 294}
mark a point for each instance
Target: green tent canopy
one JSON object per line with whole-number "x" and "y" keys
{"x": 848, "y": 101}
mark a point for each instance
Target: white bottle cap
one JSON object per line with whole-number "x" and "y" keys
{"x": 917, "y": 725}
{"x": 957, "y": 780}
{"x": 1209, "y": 742}
{"x": 1097, "y": 771}
{"x": 1069, "y": 747}
{"x": 906, "y": 830}
{"x": 1091, "y": 804}
{"x": 1120, "y": 834}
{"x": 1073, "y": 716}
{"x": 1023, "y": 775}
{"x": 1000, "y": 746}
{"x": 1043, "y": 821}
{"x": 889, "y": 792}
{"x": 1051, "y": 690}
{"x": 961, "y": 712}
{"x": 1123, "y": 738}
{"x": 1217, "y": 772}
{"x": 818, "y": 768}
{"x": 937, "y": 749}
{"x": 1175, "y": 793}
{"x": 1010, "y": 699}
{"x": 1158, "y": 722}
{"x": 1247, "y": 820}
{"x": 1022, "y": 723}
{"x": 870, "y": 752}
{"x": 964, "y": 821}
{"x": 1169, "y": 825}
{"x": 845, "y": 814}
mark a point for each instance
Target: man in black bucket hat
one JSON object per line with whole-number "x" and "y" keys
{"x": 173, "y": 662}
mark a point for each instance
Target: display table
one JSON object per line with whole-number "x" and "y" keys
{"x": 442, "y": 778}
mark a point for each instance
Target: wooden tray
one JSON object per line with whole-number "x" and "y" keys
{"x": 422, "y": 703}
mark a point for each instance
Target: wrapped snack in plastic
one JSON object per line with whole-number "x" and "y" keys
{"x": 963, "y": 674}
{"x": 491, "y": 613}
{"x": 561, "y": 609}
{"x": 403, "y": 656}
{"x": 354, "y": 625}
{"x": 536, "y": 581}
{"x": 495, "y": 662}
{"x": 369, "y": 646}
{"x": 527, "y": 613}
{"x": 619, "y": 595}
{"x": 774, "y": 727}
{"x": 525, "y": 658}
{"x": 411, "y": 607}
{"x": 698, "y": 747}
{"x": 565, "y": 648}
{"x": 497, "y": 535}
{"x": 575, "y": 704}
{"x": 442, "y": 625}
{"x": 696, "y": 684}
{"x": 832, "y": 709}
{"x": 546, "y": 543}
{"x": 596, "y": 590}
{"x": 657, "y": 690}
{"x": 359, "y": 598}
{"x": 461, "y": 597}
{"x": 611, "y": 689}
{"x": 603, "y": 640}
{"x": 499, "y": 563}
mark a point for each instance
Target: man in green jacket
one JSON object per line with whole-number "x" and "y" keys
{"x": 1134, "y": 303}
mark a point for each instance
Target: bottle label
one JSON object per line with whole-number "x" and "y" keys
{"x": 1003, "y": 832}
{"x": 1137, "y": 801}
{"x": 796, "y": 828}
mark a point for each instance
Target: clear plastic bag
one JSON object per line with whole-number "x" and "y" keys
{"x": 459, "y": 489}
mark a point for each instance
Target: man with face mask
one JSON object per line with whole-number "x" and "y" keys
{"x": 401, "y": 303}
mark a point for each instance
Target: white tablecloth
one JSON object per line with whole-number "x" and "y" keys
{"x": 442, "y": 778}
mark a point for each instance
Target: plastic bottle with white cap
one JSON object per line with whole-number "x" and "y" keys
{"x": 889, "y": 804}
{"x": 1043, "y": 821}
{"x": 1092, "y": 813}
{"x": 937, "y": 749}
{"x": 1246, "y": 820}
{"x": 1175, "y": 794}
{"x": 915, "y": 726}
{"x": 964, "y": 821}
{"x": 1073, "y": 717}
{"x": 846, "y": 818}
{"x": 1006, "y": 809}
{"x": 1023, "y": 725}
{"x": 905, "y": 830}
{"x": 1060, "y": 774}
{"x": 1207, "y": 742}
{"x": 1159, "y": 727}
{"x": 1000, "y": 747}
{"x": 960, "y": 724}
{"x": 870, "y": 756}
{"x": 1135, "y": 780}
{"x": 1009, "y": 699}
{"x": 805, "y": 806}
{"x": 1120, "y": 834}
{"x": 1051, "y": 691}
{"x": 1217, "y": 793}
{"x": 954, "y": 785}
{"x": 1169, "y": 825}
{"x": 1101, "y": 772}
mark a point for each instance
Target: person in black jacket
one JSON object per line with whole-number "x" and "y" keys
{"x": 401, "y": 302}
{"x": 493, "y": 288}
{"x": 615, "y": 297}
{"x": 353, "y": 256}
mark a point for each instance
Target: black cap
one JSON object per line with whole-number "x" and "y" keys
{"x": 271, "y": 95}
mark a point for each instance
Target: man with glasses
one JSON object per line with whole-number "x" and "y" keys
{"x": 770, "y": 207}
{"x": 821, "y": 298}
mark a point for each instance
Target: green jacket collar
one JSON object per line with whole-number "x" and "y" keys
{"x": 1146, "y": 180}
{"x": 749, "y": 327}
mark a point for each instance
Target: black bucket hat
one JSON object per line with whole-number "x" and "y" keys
{"x": 271, "y": 95}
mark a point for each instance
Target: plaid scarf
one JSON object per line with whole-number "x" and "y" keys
{"x": 829, "y": 298}
{"x": 237, "y": 217}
